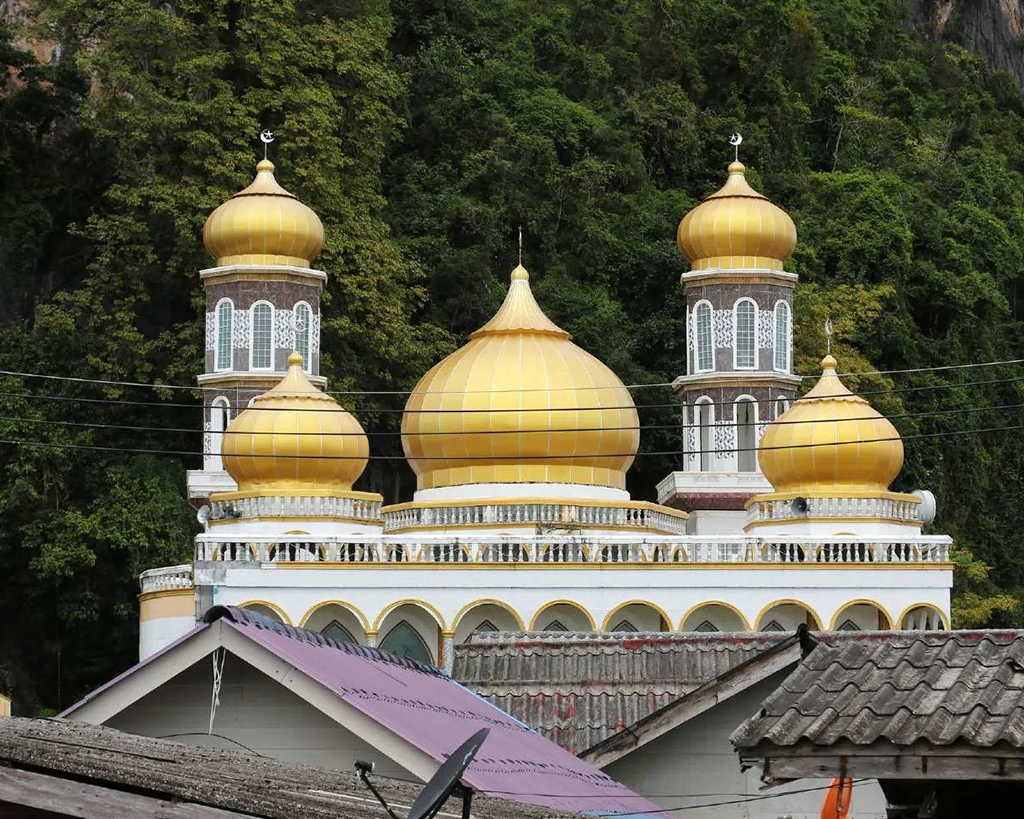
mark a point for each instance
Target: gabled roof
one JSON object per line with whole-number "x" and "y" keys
{"x": 38, "y": 757}
{"x": 898, "y": 688}
{"x": 579, "y": 689}
{"x": 415, "y": 710}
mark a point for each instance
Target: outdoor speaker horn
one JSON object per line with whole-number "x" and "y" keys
{"x": 799, "y": 506}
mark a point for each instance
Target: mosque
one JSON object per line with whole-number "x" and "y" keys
{"x": 779, "y": 514}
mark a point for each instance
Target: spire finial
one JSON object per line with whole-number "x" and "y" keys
{"x": 520, "y": 245}
{"x": 266, "y": 137}
{"x": 736, "y": 140}
{"x": 828, "y": 335}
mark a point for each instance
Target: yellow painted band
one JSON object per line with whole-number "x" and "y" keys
{"x": 415, "y": 601}
{"x": 168, "y": 603}
{"x": 331, "y": 518}
{"x": 273, "y": 607}
{"x": 797, "y": 519}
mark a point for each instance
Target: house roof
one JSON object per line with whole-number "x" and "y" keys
{"x": 898, "y": 688}
{"x": 170, "y": 772}
{"x": 418, "y": 704}
{"x": 579, "y": 689}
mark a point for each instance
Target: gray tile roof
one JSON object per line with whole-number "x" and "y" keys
{"x": 580, "y": 688}
{"x": 247, "y": 783}
{"x": 940, "y": 687}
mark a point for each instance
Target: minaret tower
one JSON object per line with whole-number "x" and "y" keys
{"x": 262, "y": 303}
{"x": 739, "y": 362}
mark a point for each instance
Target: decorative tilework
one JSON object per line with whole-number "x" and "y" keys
{"x": 240, "y": 330}
{"x": 722, "y": 328}
{"x": 765, "y": 329}
{"x": 284, "y": 332}
{"x": 211, "y": 331}
{"x": 314, "y": 334}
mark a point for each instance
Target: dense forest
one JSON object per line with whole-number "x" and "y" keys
{"x": 424, "y": 132}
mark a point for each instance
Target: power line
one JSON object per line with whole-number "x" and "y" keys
{"x": 540, "y": 431}
{"x": 659, "y": 453}
{"x": 441, "y": 411}
{"x": 658, "y": 384}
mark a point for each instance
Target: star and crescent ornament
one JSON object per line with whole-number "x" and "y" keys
{"x": 266, "y": 137}
{"x": 736, "y": 140}
{"x": 828, "y": 335}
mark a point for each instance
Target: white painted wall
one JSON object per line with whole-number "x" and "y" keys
{"x": 254, "y": 710}
{"x": 695, "y": 764}
{"x": 158, "y": 632}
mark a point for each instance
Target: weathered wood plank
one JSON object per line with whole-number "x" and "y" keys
{"x": 67, "y": 797}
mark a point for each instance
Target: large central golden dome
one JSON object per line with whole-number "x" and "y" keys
{"x": 831, "y": 442}
{"x": 520, "y": 403}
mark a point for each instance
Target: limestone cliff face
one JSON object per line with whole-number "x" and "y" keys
{"x": 989, "y": 28}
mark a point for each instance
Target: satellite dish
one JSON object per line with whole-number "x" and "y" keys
{"x": 442, "y": 784}
{"x": 926, "y": 510}
{"x": 436, "y": 792}
{"x": 799, "y": 506}
{"x": 203, "y": 514}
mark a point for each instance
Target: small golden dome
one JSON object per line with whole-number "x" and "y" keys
{"x": 264, "y": 225}
{"x": 815, "y": 448}
{"x": 520, "y": 403}
{"x": 737, "y": 228}
{"x": 295, "y": 440}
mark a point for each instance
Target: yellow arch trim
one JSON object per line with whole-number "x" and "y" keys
{"x": 487, "y": 601}
{"x": 724, "y": 605}
{"x": 351, "y": 608}
{"x": 274, "y": 608}
{"x": 608, "y": 618}
{"x": 783, "y": 601}
{"x": 860, "y": 601}
{"x": 573, "y": 603}
{"x": 932, "y": 606}
{"x": 412, "y": 601}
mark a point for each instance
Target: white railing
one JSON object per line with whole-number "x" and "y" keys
{"x": 298, "y": 506}
{"x": 883, "y": 508}
{"x": 166, "y": 577}
{"x": 574, "y": 550}
{"x": 570, "y": 514}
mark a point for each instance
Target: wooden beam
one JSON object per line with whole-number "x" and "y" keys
{"x": 877, "y": 765}
{"x": 67, "y": 797}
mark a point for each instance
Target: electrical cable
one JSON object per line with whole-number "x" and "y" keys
{"x": 439, "y": 411}
{"x": 146, "y": 385}
{"x": 542, "y": 431}
{"x": 658, "y": 453}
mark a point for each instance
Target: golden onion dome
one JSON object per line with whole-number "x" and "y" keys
{"x": 830, "y": 442}
{"x": 520, "y": 403}
{"x": 264, "y": 225}
{"x": 295, "y": 440}
{"x": 737, "y": 228}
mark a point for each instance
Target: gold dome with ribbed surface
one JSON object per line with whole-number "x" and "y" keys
{"x": 736, "y": 228}
{"x": 264, "y": 225}
{"x": 520, "y": 403}
{"x": 295, "y": 440}
{"x": 830, "y": 442}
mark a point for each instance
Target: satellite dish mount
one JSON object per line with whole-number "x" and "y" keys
{"x": 444, "y": 783}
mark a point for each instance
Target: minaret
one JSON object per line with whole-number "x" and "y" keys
{"x": 739, "y": 367}
{"x": 262, "y": 303}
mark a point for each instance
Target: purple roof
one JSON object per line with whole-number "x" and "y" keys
{"x": 436, "y": 714}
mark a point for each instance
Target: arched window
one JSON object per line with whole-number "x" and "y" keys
{"x": 774, "y": 625}
{"x": 781, "y": 405}
{"x": 555, "y": 625}
{"x": 222, "y": 349}
{"x": 744, "y": 338}
{"x": 261, "y": 349}
{"x": 336, "y": 631}
{"x": 220, "y": 417}
{"x": 848, "y": 625}
{"x": 782, "y": 336}
{"x": 303, "y": 318}
{"x": 746, "y": 433}
{"x": 405, "y": 641}
{"x": 624, "y": 625}
{"x": 704, "y": 354}
{"x": 707, "y": 627}
{"x": 704, "y": 414}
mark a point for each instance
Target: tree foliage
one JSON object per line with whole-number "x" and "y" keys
{"x": 424, "y": 133}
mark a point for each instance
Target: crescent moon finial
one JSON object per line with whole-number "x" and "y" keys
{"x": 266, "y": 137}
{"x": 736, "y": 140}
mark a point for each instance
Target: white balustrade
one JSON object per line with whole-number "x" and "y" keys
{"x": 166, "y": 577}
{"x": 851, "y": 508}
{"x": 574, "y": 549}
{"x": 296, "y": 506}
{"x": 572, "y": 514}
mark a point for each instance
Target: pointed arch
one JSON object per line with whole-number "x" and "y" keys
{"x": 665, "y": 619}
{"x": 404, "y": 640}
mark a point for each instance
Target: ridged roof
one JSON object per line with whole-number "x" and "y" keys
{"x": 941, "y": 687}
{"x": 580, "y": 688}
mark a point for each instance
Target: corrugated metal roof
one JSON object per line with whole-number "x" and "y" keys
{"x": 941, "y": 687}
{"x": 580, "y": 688}
{"x": 251, "y": 784}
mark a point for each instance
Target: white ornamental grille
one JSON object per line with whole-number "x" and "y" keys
{"x": 284, "y": 334}
{"x": 314, "y": 334}
{"x": 211, "y": 331}
{"x": 765, "y": 327}
{"x": 723, "y": 328}
{"x": 240, "y": 329}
